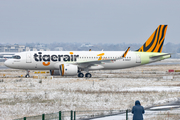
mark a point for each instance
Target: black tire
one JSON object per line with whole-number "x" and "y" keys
{"x": 88, "y": 75}
{"x": 81, "y": 75}
{"x": 27, "y": 76}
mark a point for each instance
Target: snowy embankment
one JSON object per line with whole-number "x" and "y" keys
{"x": 113, "y": 90}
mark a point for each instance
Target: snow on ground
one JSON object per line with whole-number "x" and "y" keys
{"x": 107, "y": 90}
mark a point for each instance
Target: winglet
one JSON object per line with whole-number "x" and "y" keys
{"x": 125, "y": 53}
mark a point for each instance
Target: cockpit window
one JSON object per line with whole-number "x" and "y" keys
{"x": 16, "y": 57}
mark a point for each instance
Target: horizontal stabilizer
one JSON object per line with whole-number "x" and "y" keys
{"x": 158, "y": 56}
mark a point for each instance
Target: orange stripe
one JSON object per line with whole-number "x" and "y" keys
{"x": 62, "y": 69}
{"x": 100, "y": 58}
{"x": 46, "y": 64}
{"x": 100, "y": 54}
{"x": 157, "y": 38}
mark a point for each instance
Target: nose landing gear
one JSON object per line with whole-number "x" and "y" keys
{"x": 27, "y": 75}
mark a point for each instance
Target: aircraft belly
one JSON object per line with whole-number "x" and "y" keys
{"x": 40, "y": 66}
{"x": 34, "y": 66}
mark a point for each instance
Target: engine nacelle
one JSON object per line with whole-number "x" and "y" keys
{"x": 65, "y": 70}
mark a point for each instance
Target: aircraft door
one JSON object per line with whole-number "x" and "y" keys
{"x": 138, "y": 58}
{"x": 28, "y": 58}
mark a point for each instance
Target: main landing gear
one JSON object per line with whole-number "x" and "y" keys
{"x": 81, "y": 75}
{"x": 87, "y": 75}
{"x": 27, "y": 75}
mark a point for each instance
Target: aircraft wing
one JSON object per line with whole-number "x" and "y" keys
{"x": 158, "y": 56}
{"x": 85, "y": 64}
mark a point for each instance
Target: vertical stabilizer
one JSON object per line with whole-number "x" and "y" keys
{"x": 155, "y": 41}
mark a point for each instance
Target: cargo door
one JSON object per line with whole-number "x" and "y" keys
{"x": 28, "y": 58}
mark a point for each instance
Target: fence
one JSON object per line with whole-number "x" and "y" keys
{"x": 121, "y": 114}
{"x": 86, "y": 115}
{"x": 74, "y": 115}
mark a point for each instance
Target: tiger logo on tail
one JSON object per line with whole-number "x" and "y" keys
{"x": 155, "y": 41}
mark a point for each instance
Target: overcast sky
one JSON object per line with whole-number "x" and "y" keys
{"x": 92, "y": 21}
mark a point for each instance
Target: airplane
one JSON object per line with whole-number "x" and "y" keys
{"x": 66, "y": 63}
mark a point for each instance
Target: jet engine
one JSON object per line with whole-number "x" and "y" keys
{"x": 65, "y": 70}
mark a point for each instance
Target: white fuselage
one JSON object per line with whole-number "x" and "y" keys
{"x": 50, "y": 60}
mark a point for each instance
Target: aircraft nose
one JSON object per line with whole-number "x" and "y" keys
{"x": 7, "y": 63}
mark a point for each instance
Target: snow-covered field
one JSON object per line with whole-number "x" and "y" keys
{"x": 107, "y": 90}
